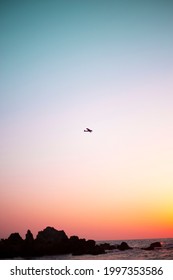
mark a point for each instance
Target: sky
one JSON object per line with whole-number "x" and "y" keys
{"x": 68, "y": 65}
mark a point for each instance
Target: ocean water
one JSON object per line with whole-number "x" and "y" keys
{"x": 163, "y": 253}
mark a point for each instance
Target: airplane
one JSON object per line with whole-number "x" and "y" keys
{"x": 87, "y": 130}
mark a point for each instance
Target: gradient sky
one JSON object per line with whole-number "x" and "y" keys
{"x": 67, "y": 65}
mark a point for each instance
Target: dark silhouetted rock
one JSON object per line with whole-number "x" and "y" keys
{"x": 77, "y": 246}
{"x": 107, "y": 246}
{"x": 15, "y": 238}
{"x": 82, "y": 246}
{"x": 51, "y": 241}
{"x": 29, "y": 237}
{"x": 97, "y": 250}
{"x": 123, "y": 246}
{"x": 11, "y": 247}
{"x": 48, "y": 242}
{"x": 51, "y": 235}
{"x": 153, "y": 246}
{"x": 28, "y": 248}
{"x": 73, "y": 239}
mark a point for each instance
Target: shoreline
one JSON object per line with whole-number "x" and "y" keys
{"x": 51, "y": 241}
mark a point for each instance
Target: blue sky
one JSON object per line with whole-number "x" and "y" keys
{"x": 67, "y": 65}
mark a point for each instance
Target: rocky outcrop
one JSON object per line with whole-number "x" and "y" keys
{"x": 81, "y": 246}
{"x": 11, "y": 247}
{"x": 28, "y": 245}
{"x": 48, "y": 242}
{"x": 29, "y": 237}
{"x": 53, "y": 242}
{"x": 51, "y": 235}
{"x": 153, "y": 246}
{"x": 123, "y": 246}
{"x": 14, "y": 238}
{"x": 107, "y": 246}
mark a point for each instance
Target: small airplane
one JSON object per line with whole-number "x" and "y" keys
{"x": 87, "y": 130}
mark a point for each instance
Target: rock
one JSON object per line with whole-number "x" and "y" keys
{"x": 12, "y": 246}
{"x": 29, "y": 237}
{"x": 153, "y": 246}
{"x": 107, "y": 246}
{"x": 97, "y": 250}
{"x": 82, "y": 246}
{"x": 77, "y": 246}
{"x": 123, "y": 246}
{"x": 48, "y": 242}
{"x": 90, "y": 243}
{"x": 51, "y": 242}
{"x": 51, "y": 235}
{"x": 73, "y": 239}
{"x": 15, "y": 238}
{"x": 28, "y": 249}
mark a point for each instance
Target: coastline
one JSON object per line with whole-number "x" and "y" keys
{"x": 54, "y": 244}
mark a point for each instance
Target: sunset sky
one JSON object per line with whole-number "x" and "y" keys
{"x": 68, "y": 65}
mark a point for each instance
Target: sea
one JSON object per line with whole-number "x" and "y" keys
{"x": 163, "y": 253}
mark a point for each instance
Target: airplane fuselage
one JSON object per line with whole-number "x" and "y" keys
{"x": 87, "y": 130}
